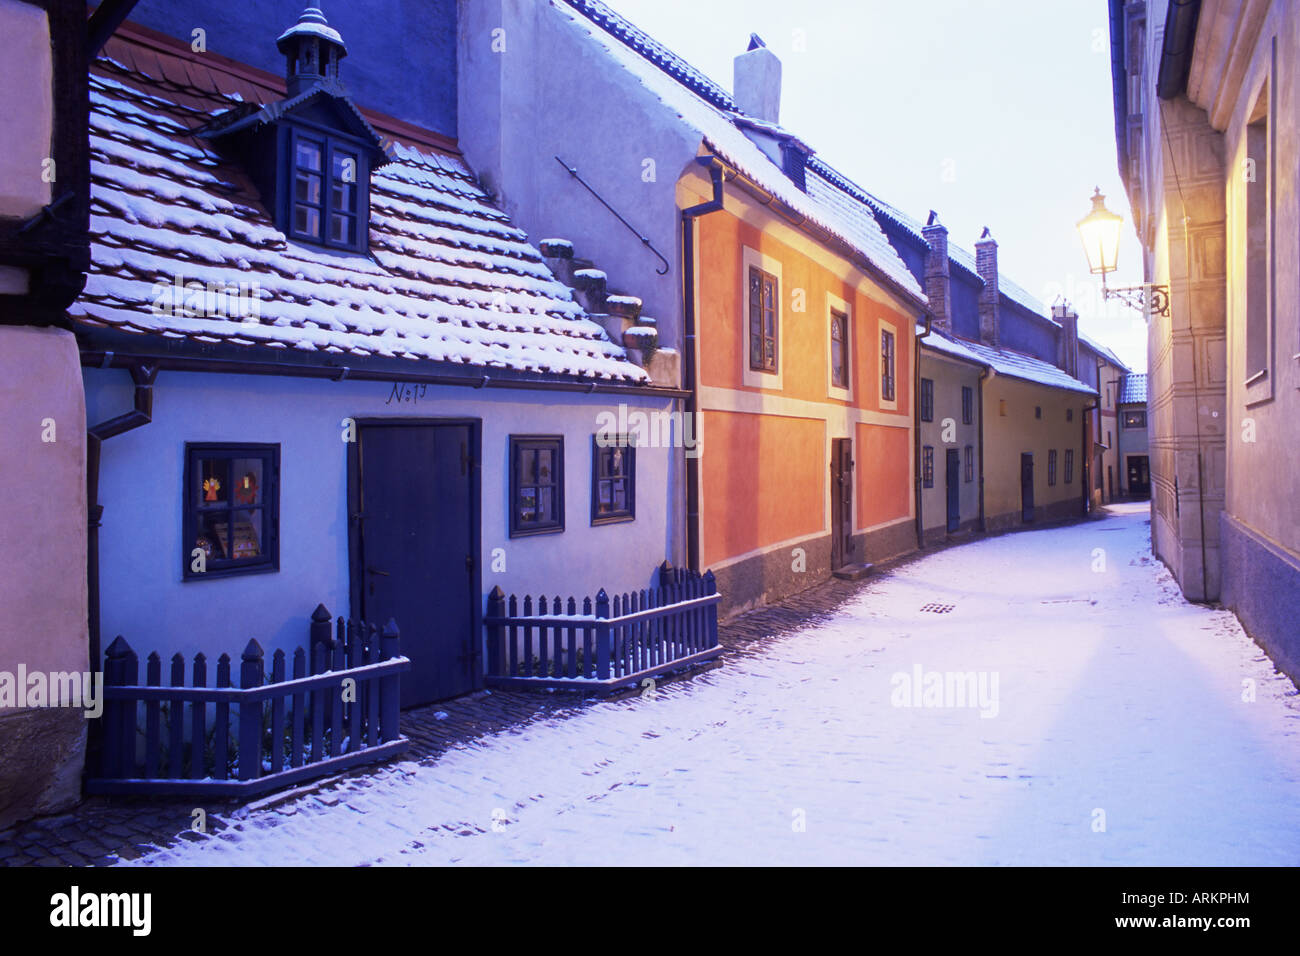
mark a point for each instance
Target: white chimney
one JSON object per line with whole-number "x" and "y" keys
{"x": 757, "y": 86}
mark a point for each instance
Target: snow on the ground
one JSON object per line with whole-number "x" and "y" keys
{"x": 1120, "y": 735}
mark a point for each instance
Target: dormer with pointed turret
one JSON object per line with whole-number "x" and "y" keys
{"x": 312, "y": 152}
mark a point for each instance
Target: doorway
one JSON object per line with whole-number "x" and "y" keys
{"x": 414, "y": 504}
{"x": 1026, "y": 487}
{"x": 953, "y": 478}
{"x": 841, "y": 502}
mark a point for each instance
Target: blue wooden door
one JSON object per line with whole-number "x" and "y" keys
{"x": 1026, "y": 487}
{"x": 953, "y": 472}
{"x": 415, "y": 559}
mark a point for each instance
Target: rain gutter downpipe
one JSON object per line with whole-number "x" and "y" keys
{"x": 984, "y": 377}
{"x": 142, "y": 414}
{"x": 916, "y": 431}
{"x": 690, "y": 375}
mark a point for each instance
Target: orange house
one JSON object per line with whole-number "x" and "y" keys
{"x": 803, "y": 381}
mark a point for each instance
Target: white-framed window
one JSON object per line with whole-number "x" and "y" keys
{"x": 841, "y": 340}
{"x": 761, "y": 293}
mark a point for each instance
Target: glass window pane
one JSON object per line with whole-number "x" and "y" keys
{"x": 307, "y": 188}
{"x": 527, "y": 465}
{"x": 341, "y": 228}
{"x": 246, "y": 537}
{"x": 213, "y": 535}
{"x": 545, "y": 504}
{"x": 306, "y": 220}
{"x": 528, "y": 505}
{"x": 212, "y": 482}
{"x": 620, "y": 495}
{"x": 246, "y": 473}
{"x": 604, "y": 497}
{"x": 307, "y": 155}
{"x": 544, "y": 464}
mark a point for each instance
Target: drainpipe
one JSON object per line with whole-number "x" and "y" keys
{"x": 1119, "y": 436}
{"x": 984, "y": 377}
{"x": 690, "y": 375}
{"x": 143, "y": 376}
{"x": 919, "y": 490}
{"x": 1083, "y": 441}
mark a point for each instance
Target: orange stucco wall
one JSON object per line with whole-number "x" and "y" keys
{"x": 763, "y": 481}
{"x": 883, "y": 452}
{"x": 764, "y": 474}
{"x": 804, "y": 361}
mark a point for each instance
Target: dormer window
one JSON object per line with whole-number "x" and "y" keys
{"x": 329, "y": 192}
{"x": 310, "y": 154}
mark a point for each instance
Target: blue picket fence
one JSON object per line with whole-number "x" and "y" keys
{"x": 611, "y": 642}
{"x": 333, "y": 707}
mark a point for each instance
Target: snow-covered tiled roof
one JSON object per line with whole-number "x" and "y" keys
{"x": 1134, "y": 389}
{"x": 448, "y": 279}
{"x": 1003, "y": 361}
{"x": 951, "y": 347}
{"x": 704, "y": 106}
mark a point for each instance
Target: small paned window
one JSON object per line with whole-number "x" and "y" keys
{"x": 1137, "y": 419}
{"x": 1069, "y": 414}
{"x": 613, "y": 479}
{"x": 1051, "y": 467}
{"x": 763, "y": 293}
{"x": 329, "y": 201}
{"x": 970, "y": 463}
{"x": 1038, "y": 411}
{"x": 927, "y": 400}
{"x": 231, "y": 510}
{"x": 887, "y": 365}
{"x": 967, "y": 404}
{"x": 1069, "y": 466}
{"x": 536, "y": 485}
{"x": 927, "y": 466}
{"x": 839, "y": 349}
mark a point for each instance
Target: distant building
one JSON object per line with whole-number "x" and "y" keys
{"x": 1207, "y": 128}
{"x": 1132, "y": 446}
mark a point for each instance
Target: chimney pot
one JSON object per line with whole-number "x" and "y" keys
{"x": 757, "y": 82}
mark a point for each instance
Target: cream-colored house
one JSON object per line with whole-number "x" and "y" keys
{"x": 43, "y": 253}
{"x": 1207, "y": 124}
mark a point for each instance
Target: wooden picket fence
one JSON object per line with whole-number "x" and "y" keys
{"x": 269, "y": 732}
{"x": 612, "y": 642}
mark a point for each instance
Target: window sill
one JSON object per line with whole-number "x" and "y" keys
{"x": 534, "y": 532}
{"x": 613, "y": 519}
{"x": 268, "y": 568}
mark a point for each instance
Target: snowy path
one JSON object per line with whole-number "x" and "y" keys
{"x": 1113, "y": 695}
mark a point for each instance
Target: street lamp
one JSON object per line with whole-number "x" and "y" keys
{"x": 1099, "y": 231}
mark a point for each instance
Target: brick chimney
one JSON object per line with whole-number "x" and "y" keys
{"x": 938, "y": 285}
{"x": 986, "y": 264}
{"x": 757, "y": 81}
{"x": 1067, "y": 342}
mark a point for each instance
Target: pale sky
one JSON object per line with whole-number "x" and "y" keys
{"x": 992, "y": 112}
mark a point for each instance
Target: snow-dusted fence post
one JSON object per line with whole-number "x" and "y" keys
{"x": 496, "y": 607}
{"x": 604, "y": 636}
{"x": 251, "y": 675}
{"x": 390, "y": 689}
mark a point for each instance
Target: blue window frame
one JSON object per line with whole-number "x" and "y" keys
{"x": 927, "y": 400}
{"x": 328, "y": 201}
{"x": 536, "y": 484}
{"x": 230, "y": 510}
{"x": 613, "y": 480}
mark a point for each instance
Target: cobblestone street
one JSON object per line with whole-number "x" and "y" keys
{"x": 1114, "y": 724}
